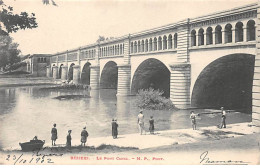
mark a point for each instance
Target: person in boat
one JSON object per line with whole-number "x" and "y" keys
{"x": 151, "y": 127}
{"x": 193, "y": 120}
{"x": 68, "y": 143}
{"x": 54, "y": 135}
{"x": 35, "y": 138}
{"x": 84, "y": 135}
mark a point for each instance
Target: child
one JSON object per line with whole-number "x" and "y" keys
{"x": 54, "y": 135}
{"x": 151, "y": 128}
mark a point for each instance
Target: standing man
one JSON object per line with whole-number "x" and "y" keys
{"x": 54, "y": 135}
{"x": 68, "y": 143}
{"x": 140, "y": 121}
{"x": 193, "y": 120}
{"x": 84, "y": 135}
{"x": 223, "y": 118}
{"x": 116, "y": 131}
{"x": 114, "y": 128}
{"x": 151, "y": 127}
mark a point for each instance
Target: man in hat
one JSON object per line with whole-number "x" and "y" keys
{"x": 114, "y": 128}
{"x": 223, "y": 118}
{"x": 68, "y": 143}
{"x": 140, "y": 121}
{"x": 84, "y": 135}
{"x": 54, "y": 135}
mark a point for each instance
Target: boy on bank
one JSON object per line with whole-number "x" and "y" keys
{"x": 54, "y": 135}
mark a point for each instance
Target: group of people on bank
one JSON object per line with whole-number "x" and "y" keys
{"x": 140, "y": 121}
{"x": 84, "y": 134}
{"x": 54, "y": 136}
{"x": 223, "y": 119}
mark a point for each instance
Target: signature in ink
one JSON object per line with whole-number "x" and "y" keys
{"x": 204, "y": 159}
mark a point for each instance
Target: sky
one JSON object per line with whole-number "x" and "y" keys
{"x": 76, "y": 23}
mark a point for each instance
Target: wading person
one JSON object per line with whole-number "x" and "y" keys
{"x": 223, "y": 118}
{"x": 193, "y": 120}
{"x": 140, "y": 121}
{"x": 54, "y": 135}
{"x": 84, "y": 135}
{"x": 151, "y": 127}
{"x": 68, "y": 143}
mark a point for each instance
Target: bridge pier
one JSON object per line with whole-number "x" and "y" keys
{"x": 64, "y": 72}
{"x": 180, "y": 85}
{"x": 55, "y": 72}
{"x": 94, "y": 76}
{"x": 124, "y": 78}
{"x": 256, "y": 81}
{"x": 48, "y": 73}
{"x": 76, "y": 74}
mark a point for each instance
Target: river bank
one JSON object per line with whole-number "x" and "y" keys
{"x": 24, "y": 80}
{"x": 238, "y": 142}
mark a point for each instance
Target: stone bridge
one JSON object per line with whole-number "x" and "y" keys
{"x": 204, "y": 62}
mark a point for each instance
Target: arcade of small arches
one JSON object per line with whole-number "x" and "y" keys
{"x": 229, "y": 33}
{"x": 154, "y": 44}
{"x": 112, "y": 50}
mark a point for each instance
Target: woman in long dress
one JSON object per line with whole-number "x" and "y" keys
{"x": 84, "y": 135}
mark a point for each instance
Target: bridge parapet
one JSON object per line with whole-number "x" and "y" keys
{"x": 227, "y": 27}
{"x": 87, "y": 54}
{"x": 112, "y": 50}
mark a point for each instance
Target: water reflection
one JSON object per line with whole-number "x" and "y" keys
{"x": 29, "y": 111}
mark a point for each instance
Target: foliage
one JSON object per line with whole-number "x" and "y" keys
{"x": 10, "y": 22}
{"x": 47, "y": 2}
{"x": 153, "y": 99}
{"x": 8, "y": 52}
{"x": 102, "y": 38}
{"x": 17, "y": 65}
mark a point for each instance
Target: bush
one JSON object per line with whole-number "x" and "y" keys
{"x": 153, "y": 99}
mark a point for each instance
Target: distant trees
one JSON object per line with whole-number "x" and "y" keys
{"x": 102, "y": 38}
{"x": 47, "y": 2}
{"x": 9, "y": 53}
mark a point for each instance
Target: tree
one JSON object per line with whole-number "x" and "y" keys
{"x": 100, "y": 38}
{"x": 8, "y": 52}
{"x": 10, "y": 22}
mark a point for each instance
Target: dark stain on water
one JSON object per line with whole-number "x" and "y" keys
{"x": 71, "y": 97}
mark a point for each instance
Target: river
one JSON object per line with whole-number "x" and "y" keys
{"x": 29, "y": 111}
